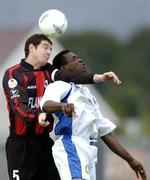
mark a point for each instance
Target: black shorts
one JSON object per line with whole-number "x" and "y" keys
{"x": 30, "y": 159}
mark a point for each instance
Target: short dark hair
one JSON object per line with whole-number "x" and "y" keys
{"x": 59, "y": 59}
{"x": 35, "y": 40}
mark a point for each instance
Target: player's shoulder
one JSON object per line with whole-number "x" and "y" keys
{"x": 13, "y": 68}
{"x": 9, "y": 72}
{"x": 59, "y": 85}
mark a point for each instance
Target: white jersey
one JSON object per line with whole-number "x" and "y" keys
{"x": 74, "y": 150}
{"x": 87, "y": 120}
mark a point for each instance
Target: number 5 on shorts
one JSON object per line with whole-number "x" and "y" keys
{"x": 16, "y": 175}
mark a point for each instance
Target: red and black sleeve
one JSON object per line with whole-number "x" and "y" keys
{"x": 17, "y": 96}
{"x": 70, "y": 76}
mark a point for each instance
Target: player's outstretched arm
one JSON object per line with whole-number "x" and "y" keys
{"x": 84, "y": 77}
{"x": 118, "y": 149}
{"x": 107, "y": 76}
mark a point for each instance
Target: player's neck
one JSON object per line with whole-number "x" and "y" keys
{"x": 32, "y": 62}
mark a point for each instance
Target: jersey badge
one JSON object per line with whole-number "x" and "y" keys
{"x": 12, "y": 83}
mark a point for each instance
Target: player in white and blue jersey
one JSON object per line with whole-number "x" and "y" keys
{"x": 78, "y": 122}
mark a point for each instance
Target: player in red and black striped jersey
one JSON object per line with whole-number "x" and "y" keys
{"x": 28, "y": 147}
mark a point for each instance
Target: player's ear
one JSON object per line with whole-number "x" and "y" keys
{"x": 31, "y": 47}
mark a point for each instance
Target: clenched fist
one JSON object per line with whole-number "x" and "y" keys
{"x": 42, "y": 119}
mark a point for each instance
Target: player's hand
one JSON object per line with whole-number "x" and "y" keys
{"x": 138, "y": 168}
{"x": 68, "y": 109}
{"x": 42, "y": 119}
{"x": 107, "y": 76}
{"x": 111, "y": 76}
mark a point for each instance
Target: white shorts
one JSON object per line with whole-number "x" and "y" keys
{"x": 75, "y": 158}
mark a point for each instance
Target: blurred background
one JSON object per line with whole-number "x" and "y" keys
{"x": 110, "y": 35}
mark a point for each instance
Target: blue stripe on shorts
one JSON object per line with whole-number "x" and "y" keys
{"x": 73, "y": 158}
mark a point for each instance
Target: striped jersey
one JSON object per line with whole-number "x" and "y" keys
{"x": 24, "y": 86}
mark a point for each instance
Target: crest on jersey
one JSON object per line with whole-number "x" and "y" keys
{"x": 12, "y": 83}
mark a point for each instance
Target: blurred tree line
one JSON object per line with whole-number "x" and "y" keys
{"x": 130, "y": 60}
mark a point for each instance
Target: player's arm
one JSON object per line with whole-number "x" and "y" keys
{"x": 17, "y": 96}
{"x": 84, "y": 77}
{"x": 51, "y": 100}
{"x": 118, "y": 149}
{"x": 51, "y": 107}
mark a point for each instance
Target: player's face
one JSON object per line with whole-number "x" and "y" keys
{"x": 42, "y": 52}
{"x": 74, "y": 63}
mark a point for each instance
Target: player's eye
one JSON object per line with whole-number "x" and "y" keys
{"x": 74, "y": 58}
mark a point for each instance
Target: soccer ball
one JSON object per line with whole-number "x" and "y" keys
{"x": 53, "y": 23}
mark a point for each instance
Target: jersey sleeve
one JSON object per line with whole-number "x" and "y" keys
{"x": 104, "y": 125}
{"x": 17, "y": 96}
{"x": 55, "y": 92}
{"x": 75, "y": 77}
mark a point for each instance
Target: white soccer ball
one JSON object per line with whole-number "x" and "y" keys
{"x": 53, "y": 23}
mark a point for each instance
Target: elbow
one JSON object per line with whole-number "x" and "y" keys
{"x": 47, "y": 107}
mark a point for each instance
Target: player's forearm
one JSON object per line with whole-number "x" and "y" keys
{"x": 116, "y": 147}
{"x": 51, "y": 106}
